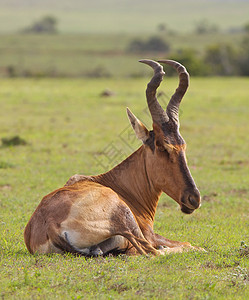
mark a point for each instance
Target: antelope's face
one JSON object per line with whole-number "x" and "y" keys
{"x": 166, "y": 162}
{"x": 169, "y": 168}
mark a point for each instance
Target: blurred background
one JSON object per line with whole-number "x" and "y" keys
{"x": 105, "y": 38}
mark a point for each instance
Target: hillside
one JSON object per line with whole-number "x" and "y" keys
{"x": 124, "y": 16}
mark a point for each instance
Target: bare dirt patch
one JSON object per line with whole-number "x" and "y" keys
{"x": 5, "y": 187}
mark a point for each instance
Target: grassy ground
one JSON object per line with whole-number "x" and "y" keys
{"x": 68, "y": 127}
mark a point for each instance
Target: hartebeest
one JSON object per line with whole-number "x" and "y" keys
{"x": 114, "y": 211}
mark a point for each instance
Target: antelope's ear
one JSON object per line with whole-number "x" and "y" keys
{"x": 142, "y": 133}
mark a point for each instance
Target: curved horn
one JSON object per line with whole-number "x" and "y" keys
{"x": 174, "y": 103}
{"x": 157, "y": 112}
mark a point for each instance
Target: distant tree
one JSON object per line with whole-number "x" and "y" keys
{"x": 45, "y": 25}
{"x": 204, "y": 27}
{"x": 246, "y": 28}
{"x": 221, "y": 59}
{"x": 136, "y": 46}
{"x": 154, "y": 44}
{"x": 162, "y": 27}
{"x": 98, "y": 72}
{"x": 243, "y": 57}
{"x": 190, "y": 59}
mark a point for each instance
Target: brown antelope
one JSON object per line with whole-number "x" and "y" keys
{"x": 114, "y": 211}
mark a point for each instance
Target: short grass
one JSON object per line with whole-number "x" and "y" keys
{"x": 68, "y": 128}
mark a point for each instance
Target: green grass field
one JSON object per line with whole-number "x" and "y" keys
{"x": 67, "y": 127}
{"x": 111, "y": 16}
{"x": 92, "y": 55}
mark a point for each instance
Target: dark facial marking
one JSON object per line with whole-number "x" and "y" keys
{"x": 189, "y": 181}
{"x": 151, "y": 141}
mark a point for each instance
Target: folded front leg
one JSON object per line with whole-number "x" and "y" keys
{"x": 174, "y": 246}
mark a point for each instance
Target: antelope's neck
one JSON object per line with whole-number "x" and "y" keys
{"x": 130, "y": 181}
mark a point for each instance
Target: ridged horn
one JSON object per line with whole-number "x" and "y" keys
{"x": 174, "y": 103}
{"x": 158, "y": 114}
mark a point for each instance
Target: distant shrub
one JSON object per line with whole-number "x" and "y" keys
{"x": 136, "y": 46}
{"x": 163, "y": 28}
{"x": 190, "y": 59}
{"x": 243, "y": 57}
{"x": 11, "y": 71}
{"x": 46, "y": 25}
{"x": 204, "y": 27}
{"x": 246, "y": 27}
{"x": 220, "y": 59}
{"x": 154, "y": 44}
{"x": 98, "y": 72}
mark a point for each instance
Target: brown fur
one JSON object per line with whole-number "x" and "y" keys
{"x": 94, "y": 215}
{"x": 44, "y": 232}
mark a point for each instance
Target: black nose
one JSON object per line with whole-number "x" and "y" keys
{"x": 191, "y": 200}
{"x": 194, "y": 201}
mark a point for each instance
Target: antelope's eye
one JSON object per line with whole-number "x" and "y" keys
{"x": 160, "y": 147}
